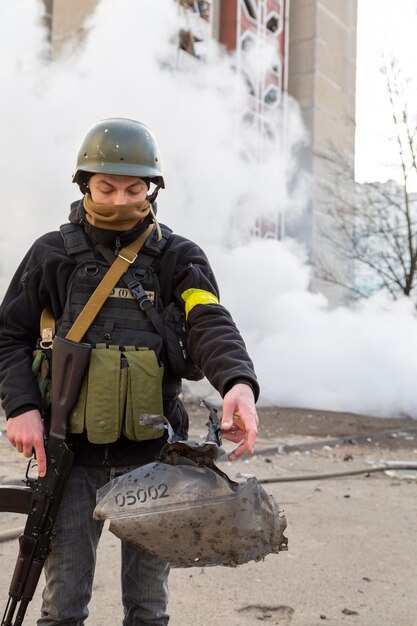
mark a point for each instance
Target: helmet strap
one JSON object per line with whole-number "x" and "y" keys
{"x": 157, "y": 226}
{"x": 154, "y": 194}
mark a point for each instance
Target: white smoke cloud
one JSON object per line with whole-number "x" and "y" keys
{"x": 126, "y": 68}
{"x": 308, "y": 355}
{"x": 305, "y": 353}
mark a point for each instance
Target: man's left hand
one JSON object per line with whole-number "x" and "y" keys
{"x": 239, "y": 420}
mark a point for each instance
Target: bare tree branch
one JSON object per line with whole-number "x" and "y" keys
{"x": 374, "y": 225}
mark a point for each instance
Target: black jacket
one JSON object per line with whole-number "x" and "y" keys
{"x": 214, "y": 343}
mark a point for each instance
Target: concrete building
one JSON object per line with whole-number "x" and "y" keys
{"x": 322, "y": 78}
{"x": 316, "y": 64}
{"x": 65, "y": 21}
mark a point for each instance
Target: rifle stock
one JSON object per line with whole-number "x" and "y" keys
{"x": 15, "y": 499}
{"x": 41, "y": 500}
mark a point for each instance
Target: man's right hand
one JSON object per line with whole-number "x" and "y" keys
{"x": 25, "y": 432}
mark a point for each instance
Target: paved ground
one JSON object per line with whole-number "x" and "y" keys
{"x": 352, "y": 540}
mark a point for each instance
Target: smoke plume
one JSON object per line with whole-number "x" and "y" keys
{"x": 305, "y": 353}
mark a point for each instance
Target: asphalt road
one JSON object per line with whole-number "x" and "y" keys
{"x": 352, "y": 540}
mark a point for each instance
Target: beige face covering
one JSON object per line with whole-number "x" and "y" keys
{"x": 115, "y": 216}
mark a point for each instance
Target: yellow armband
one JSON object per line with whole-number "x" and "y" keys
{"x": 192, "y": 297}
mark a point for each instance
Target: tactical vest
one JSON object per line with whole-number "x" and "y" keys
{"x": 125, "y": 386}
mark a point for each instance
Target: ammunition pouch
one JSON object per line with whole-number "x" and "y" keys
{"x": 121, "y": 393}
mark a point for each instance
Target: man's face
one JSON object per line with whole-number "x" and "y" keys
{"x": 111, "y": 189}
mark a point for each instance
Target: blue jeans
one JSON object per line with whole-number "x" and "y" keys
{"x": 69, "y": 568}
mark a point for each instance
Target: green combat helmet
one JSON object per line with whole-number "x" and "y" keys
{"x": 119, "y": 146}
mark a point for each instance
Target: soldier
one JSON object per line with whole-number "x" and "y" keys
{"x": 135, "y": 371}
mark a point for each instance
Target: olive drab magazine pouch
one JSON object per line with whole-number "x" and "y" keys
{"x": 144, "y": 402}
{"x": 183, "y": 509}
{"x": 125, "y": 384}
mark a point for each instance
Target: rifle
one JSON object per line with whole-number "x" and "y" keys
{"x": 40, "y": 499}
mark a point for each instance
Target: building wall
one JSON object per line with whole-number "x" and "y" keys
{"x": 322, "y": 77}
{"x": 65, "y": 20}
{"x": 322, "y": 66}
